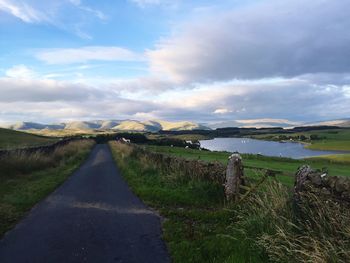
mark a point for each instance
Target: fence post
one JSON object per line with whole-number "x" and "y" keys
{"x": 234, "y": 177}
{"x": 300, "y": 178}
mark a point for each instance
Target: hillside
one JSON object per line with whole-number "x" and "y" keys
{"x": 105, "y": 125}
{"x": 14, "y": 139}
{"x": 344, "y": 123}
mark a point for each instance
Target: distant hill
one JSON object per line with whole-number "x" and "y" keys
{"x": 116, "y": 125}
{"x": 15, "y": 139}
{"x": 158, "y": 125}
{"x": 340, "y": 123}
{"x": 283, "y": 123}
{"x": 33, "y": 125}
{"x": 81, "y": 125}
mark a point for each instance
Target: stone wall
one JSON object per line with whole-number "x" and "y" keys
{"x": 28, "y": 150}
{"x": 194, "y": 169}
{"x": 323, "y": 185}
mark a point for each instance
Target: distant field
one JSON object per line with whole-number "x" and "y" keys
{"x": 286, "y": 165}
{"x": 14, "y": 139}
{"x": 336, "y": 140}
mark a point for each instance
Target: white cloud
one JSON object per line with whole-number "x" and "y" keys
{"x": 268, "y": 120}
{"x": 263, "y": 101}
{"x": 143, "y": 3}
{"x": 45, "y": 90}
{"x": 222, "y": 111}
{"x": 22, "y": 10}
{"x": 85, "y": 54}
{"x": 20, "y": 71}
{"x": 265, "y": 39}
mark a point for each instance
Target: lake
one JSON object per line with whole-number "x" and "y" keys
{"x": 269, "y": 148}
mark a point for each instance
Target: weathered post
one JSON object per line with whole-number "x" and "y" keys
{"x": 300, "y": 178}
{"x": 234, "y": 177}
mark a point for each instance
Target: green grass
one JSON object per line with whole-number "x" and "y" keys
{"x": 15, "y": 139}
{"x": 21, "y": 189}
{"x": 335, "y": 158}
{"x": 335, "y": 165}
{"x": 334, "y": 140}
{"x": 200, "y": 226}
{"x": 197, "y": 221}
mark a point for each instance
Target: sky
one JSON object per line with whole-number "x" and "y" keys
{"x": 200, "y": 60}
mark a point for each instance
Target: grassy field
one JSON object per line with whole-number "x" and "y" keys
{"x": 335, "y": 139}
{"x": 14, "y": 139}
{"x": 200, "y": 226}
{"x": 289, "y": 166}
{"x": 26, "y": 179}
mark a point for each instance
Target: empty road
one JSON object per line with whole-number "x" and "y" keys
{"x": 92, "y": 217}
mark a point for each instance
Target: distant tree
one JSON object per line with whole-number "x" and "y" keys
{"x": 314, "y": 137}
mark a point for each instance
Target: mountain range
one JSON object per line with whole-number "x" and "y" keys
{"x": 157, "y": 125}
{"x": 118, "y": 125}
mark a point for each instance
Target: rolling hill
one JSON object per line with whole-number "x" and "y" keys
{"x": 14, "y": 139}
{"x": 113, "y": 125}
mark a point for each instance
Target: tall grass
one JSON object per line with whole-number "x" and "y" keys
{"x": 17, "y": 163}
{"x": 317, "y": 230}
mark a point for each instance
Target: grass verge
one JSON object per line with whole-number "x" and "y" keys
{"x": 26, "y": 179}
{"x": 201, "y": 227}
{"x": 197, "y": 221}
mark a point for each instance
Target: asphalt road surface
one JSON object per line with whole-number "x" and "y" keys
{"x": 92, "y": 217}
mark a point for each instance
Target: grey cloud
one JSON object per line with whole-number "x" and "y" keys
{"x": 33, "y": 90}
{"x": 265, "y": 39}
{"x": 293, "y": 99}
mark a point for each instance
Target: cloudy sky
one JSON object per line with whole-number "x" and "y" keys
{"x": 200, "y": 60}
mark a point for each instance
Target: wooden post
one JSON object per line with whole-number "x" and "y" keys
{"x": 234, "y": 174}
{"x": 300, "y": 179}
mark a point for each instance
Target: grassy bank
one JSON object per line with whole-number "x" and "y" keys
{"x": 200, "y": 226}
{"x": 26, "y": 179}
{"x": 14, "y": 139}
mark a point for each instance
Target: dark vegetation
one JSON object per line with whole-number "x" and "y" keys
{"x": 241, "y": 132}
{"x": 140, "y": 138}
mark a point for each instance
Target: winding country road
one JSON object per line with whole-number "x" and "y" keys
{"x": 92, "y": 217}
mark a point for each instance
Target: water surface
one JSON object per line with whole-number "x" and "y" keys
{"x": 268, "y": 148}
